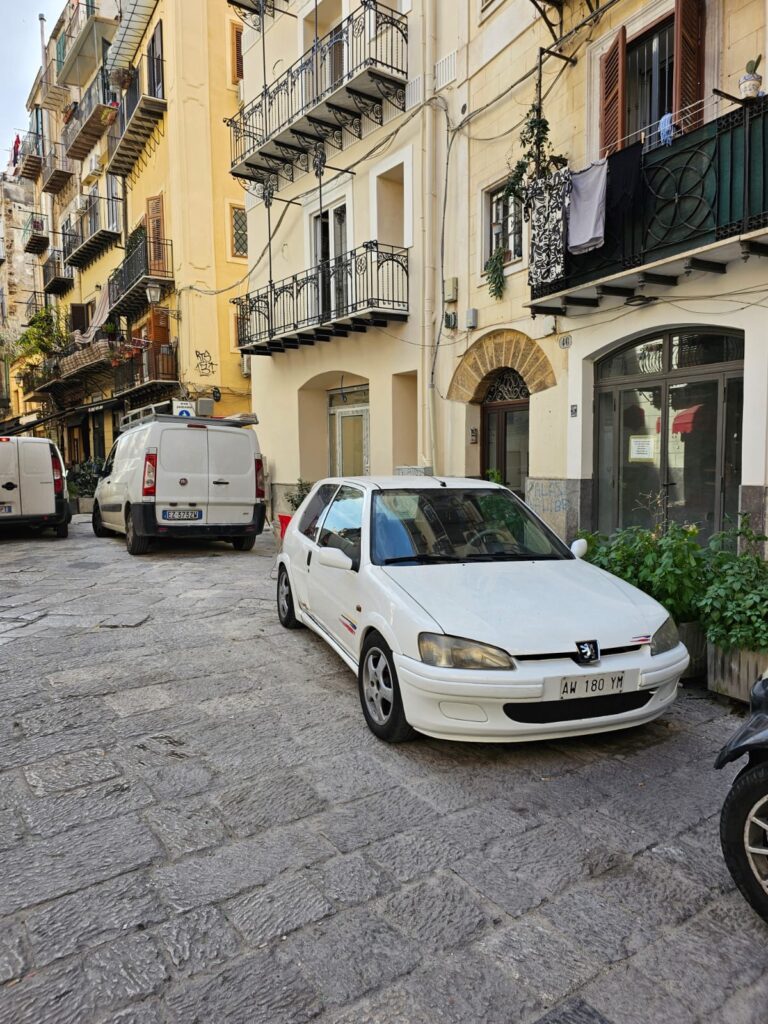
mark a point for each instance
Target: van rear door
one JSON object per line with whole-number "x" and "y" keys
{"x": 36, "y": 477}
{"x": 10, "y": 491}
{"x": 181, "y": 489}
{"x": 232, "y": 475}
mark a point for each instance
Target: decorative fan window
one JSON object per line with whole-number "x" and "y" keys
{"x": 507, "y": 386}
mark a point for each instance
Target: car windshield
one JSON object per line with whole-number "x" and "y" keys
{"x": 453, "y": 524}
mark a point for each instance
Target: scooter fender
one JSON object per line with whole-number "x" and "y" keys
{"x": 753, "y": 734}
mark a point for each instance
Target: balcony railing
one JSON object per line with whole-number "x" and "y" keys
{"x": 53, "y": 95}
{"x": 35, "y": 304}
{"x": 345, "y": 77}
{"x": 57, "y": 171}
{"x": 85, "y": 33}
{"x": 142, "y": 106}
{"x": 90, "y": 118}
{"x": 34, "y": 236}
{"x": 96, "y": 228}
{"x": 150, "y": 262}
{"x": 31, "y": 155}
{"x": 366, "y": 287}
{"x": 709, "y": 186}
{"x": 156, "y": 364}
{"x": 58, "y": 278}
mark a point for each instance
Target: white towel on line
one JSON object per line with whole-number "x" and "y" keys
{"x": 586, "y": 221}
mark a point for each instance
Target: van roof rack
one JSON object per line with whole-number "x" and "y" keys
{"x": 159, "y": 411}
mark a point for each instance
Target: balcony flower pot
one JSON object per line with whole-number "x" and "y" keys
{"x": 749, "y": 86}
{"x": 734, "y": 672}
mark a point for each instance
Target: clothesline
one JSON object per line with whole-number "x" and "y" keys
{"x": 682, "y": 119}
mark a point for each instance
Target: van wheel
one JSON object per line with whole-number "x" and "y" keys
{"x": 244, "y": 543}
{"x": 98, "y": 526}
{"x": 62, "y": 530}
{"x": 134, "y": 542}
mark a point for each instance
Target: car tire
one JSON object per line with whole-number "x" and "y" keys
{"x": 61, "y": 530}
{"x": 244, "y": 543}
{"x": 97, "y": 524}
{"x": 285, "y": 607}
{"x": 748, "y": 798}
{"x": 134, "y": 542}
{"x": 380, "y": 692}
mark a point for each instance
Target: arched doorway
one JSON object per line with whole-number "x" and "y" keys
{"x": 668, "y": 430}
{"x": 504, "y": 429}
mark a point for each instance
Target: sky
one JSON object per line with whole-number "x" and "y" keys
{"x": 19, "y": 61}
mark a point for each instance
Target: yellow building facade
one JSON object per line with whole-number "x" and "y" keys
{"x": 146, "y": 231}
{"x": 534, "y": 370}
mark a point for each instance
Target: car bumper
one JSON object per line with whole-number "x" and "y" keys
{"x": 146, "y": 525}
{"x": 480, "y": 706}
{"x": 61, "y": 514}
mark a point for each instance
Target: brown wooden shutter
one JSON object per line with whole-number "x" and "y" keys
{"x": 689, "y": 62}
{"x": 156, "y": 235}
{"x": 613, "y": 104}
{"x": 237, "y": 54}
{"x": 159, "y": 327}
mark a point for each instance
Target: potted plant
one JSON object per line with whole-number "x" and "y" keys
{"x": 734, "y": 608}
{"x": 750, "y": 81}
{"x": 294, "y": 499}
{"x": 121, "y": 78}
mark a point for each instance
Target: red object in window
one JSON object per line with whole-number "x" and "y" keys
{"x": 260, "y": 489}
{"x": 284, "y": 520}
{"x": 58, "y": 474}
{"x": 150, "y": 475}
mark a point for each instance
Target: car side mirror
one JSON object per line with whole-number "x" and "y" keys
{"x": 579, "y": 548}
{"x": 334, "y": 558}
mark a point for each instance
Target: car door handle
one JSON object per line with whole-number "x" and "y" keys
{"x": 221, "y": 483}
{"x": 10, "y": 486}
{"x": 309, "y": 557}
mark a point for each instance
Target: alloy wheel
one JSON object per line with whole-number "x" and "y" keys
{"x": 756, "y": 841}
{"x": 378, "y": 690}
{"x": 284, "y": 596}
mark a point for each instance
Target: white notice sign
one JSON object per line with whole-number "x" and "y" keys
{"x": 641, "y": 448}
{"x": 183, "y": 407}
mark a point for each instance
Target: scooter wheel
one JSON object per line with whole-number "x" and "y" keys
{"x": 744, "y": 836}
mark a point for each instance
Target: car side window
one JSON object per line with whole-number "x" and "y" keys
{"x": 343, "y": 525}
{"x": 313, "y": 513}
{"x": 107, "y": 469}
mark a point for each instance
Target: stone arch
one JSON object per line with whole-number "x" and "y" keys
{"x": 495, "y": 351}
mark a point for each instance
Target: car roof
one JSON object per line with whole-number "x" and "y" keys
{"x": 409, "y": 483}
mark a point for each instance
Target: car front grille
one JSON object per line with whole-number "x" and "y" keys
{"x": 548, "y": 711}
{"x": 560, "y": 656}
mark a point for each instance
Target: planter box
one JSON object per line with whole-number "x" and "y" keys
{"x": 694, "y": 638}
{"x": 86, "y": 506}
{"x": 734, "y": 673}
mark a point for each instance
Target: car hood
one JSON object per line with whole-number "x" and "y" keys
{"x": 531, "y": 607}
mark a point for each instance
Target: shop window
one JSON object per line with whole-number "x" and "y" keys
{"x": 239, "y": 232}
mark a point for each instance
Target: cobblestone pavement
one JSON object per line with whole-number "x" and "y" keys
{"x": 197, "y": 826}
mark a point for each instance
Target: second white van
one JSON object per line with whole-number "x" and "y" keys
{"x": 173, "y": 477}
{"x": 33, "y": 485}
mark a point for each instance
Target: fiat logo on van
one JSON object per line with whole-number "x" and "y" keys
{"x": 183, "y": 481}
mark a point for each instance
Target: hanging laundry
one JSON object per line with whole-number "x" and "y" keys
{"x": 586, "y": 217}
{"x": 666, "y": 130}
{"x": 624, "y": 172}
{"x": 545, "y": 205}
{"x": 16, "y": 145}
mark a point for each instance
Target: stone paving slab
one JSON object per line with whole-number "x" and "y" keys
{"x": 196, "y": 825}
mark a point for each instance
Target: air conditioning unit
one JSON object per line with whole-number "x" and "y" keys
{"x": 245, "y": 364}
{"x": 81, "y": 203}
{"x": 92, "y": 169}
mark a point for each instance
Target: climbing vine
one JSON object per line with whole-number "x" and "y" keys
{"x": 494, "y": 272}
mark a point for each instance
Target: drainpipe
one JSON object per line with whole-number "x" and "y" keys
{"x": 429, "y": 242}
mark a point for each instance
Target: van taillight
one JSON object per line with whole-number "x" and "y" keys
{"x": 58, "y": 475}
{"x": 150, "y": 475}
{"x": 260, "y": 491}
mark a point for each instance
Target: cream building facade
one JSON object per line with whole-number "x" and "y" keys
{"x": 607, "y": 386}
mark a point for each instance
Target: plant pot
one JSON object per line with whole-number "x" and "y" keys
{"x": 284, "y": 520}
{"x": 749, "y": 86}
{"x": 694, "y": 638}
{"x": 74, "y": 506}
{"x": 86, "y": 506}
{"x": 734, "y": 672}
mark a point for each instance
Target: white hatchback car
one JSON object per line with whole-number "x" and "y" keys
{"x": 466, "y": 618}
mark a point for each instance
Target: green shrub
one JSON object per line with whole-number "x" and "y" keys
{"x": 734, "y": 605}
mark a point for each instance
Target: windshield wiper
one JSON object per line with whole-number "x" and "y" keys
{"x": 424, "y": 558}
{"x": 503, "y": 556}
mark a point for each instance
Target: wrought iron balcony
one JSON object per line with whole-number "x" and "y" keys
{"x": 53, "y": 94}
{"x": 142, "y": 106}
{"x": 324, "y": 97}
{"x": 252, "y": 11}
{"x": 57, "y": 171}
{"x": 150, "y": 262}
{"x": 85, "y": 33}
{"x": 58, "y": 278}
{"x": 31, "y": 155}
{"x": 705, "y": 191}
{"x": 96, "y": 228}
{"x": 35, "y": 304}
{"x": 34, "y": 236}
{"x": 155, "y": 366}
{"x": 364, "y": 288}
{"x": 89, "y": 118}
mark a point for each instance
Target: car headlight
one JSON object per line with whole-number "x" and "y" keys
{"x": 665, "y": 638}
{"x": 453, "y": 652}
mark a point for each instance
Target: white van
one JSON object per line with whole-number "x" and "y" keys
{"x": 33, "y": 485}
{"x": 168, "y": 476}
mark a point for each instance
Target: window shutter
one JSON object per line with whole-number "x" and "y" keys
{"x": 689, "y": 61}
{"x": 237, "y": 54}
{"x": 159, "y": 328}
{"x": 156, "y": 235}
{"x": 613, "y": 104}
